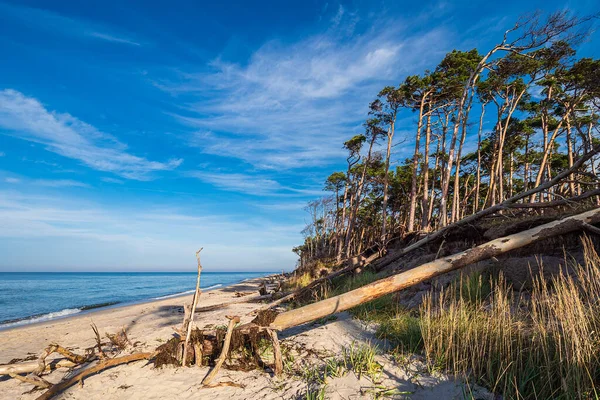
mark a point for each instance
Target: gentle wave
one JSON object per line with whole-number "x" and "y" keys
{"x": 41, "y": 318}
{"x": 186, "y": 292}
{"x": 174, "y": 295}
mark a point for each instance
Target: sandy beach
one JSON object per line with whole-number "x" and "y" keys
{"x": 150, "y": 324}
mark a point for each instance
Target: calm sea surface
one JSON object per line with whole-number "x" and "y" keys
{"x": 28, "y": 297}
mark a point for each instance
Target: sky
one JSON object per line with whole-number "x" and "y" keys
{"x": 133, "y": 133}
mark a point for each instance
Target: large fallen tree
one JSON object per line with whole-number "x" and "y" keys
{"x": 432, "y": 269}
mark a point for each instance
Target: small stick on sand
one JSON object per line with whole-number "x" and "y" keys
{"x": 32, "y": 380}
{"x": 213, "y": 372}
{"x": 193, "y": 310}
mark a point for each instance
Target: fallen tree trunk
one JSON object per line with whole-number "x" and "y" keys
{"x": 432, "y": 269}
{"x": 556, "y": 203}
{"x": 319, "y": 281}
{"x": 113, "y": 362}
{"x": 247, "y": 299}
{"x": 506, "y": 204}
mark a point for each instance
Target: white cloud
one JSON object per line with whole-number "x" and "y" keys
{"x": 59, "y": 183}
{"x": 12, "y": 180}
{"x": 294, "y": 104}
{"x": 26, "y": 118}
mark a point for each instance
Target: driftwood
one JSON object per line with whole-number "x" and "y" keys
{"x": 190, "y": 323}
{"x": 32, "y": 380}
{"x": 224, "y": 352}
{"x": 28, "y": 367}
{"x": 98, "y": 342}
{"x": 432, "y": 269}
{"x": 245, "y": 299}
{"x": 319, "y": 281}
{"x": 506, "y": 204}
{"x": 278, "y": 368}
{"x": 109, "y": 363}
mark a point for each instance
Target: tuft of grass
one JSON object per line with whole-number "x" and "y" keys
{"x": 360, "y": 358}
{"x": 318, "y": 394}
{"x": 335, "y": 367}
{"x": 403, "y": 331}
{"x": 474, "y": 288}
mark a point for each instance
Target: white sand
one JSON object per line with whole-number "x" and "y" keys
{"x": 150, "y": 324}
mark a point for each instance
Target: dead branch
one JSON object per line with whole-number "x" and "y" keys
{"x": 193, "y": 311}
{"x": 211, "y": 375}
{"x": 319, "y": 281}
{"x": 432, "y": 269}
{"x": 119, "y": 339}
{"x": 113, "y": 362}
{"x": 28, "y": 367}
{"x": 591, "y": 228}
{"x": 278, "y": 369}
{"x": 42, "y": 360}
{"x": 69, "y": 355}
{"x": 98, "y": 342}
{"x": 556, "y": 203}
{"x": 32, "y": 380}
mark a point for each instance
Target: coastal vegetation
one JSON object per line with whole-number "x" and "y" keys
{"x": 483, "y": 125}
{"x": 501, "y": 140}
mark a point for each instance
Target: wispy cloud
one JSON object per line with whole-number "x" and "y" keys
{"x": 112, "y": 180}
{"x": 293, "y": 104}
{"x": 252, "y": 184}
{"x": 239, "y": 182}
{"x": 112, "y": 38}
{"x": 59, "y": 183}
{"x": 58, "y": 23}
{"x": 26, "y": 118}
{"x": 12, "y": 180}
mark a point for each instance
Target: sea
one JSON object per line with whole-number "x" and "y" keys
{"x": 30, "y": 297}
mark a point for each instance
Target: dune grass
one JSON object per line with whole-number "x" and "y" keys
{"x": 541, "y": 344}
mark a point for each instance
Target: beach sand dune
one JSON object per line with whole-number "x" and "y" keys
{"x": 150, "y": 324}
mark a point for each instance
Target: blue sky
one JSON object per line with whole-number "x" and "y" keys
{"x": 132, "y": 133}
